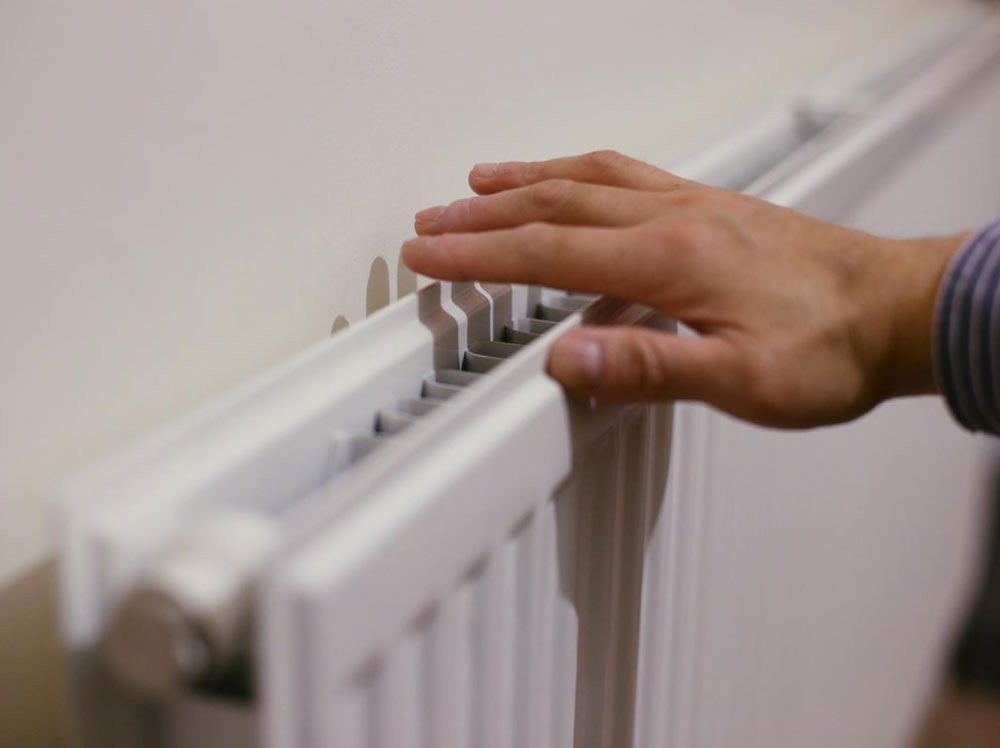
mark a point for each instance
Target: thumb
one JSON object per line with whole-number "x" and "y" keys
{"x": 628, "y": 363}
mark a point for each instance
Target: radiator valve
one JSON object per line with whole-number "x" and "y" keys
{"x": 187, "y": 623}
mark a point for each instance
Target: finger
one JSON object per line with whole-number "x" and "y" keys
{"x": 560, "y": 201}
{"x": 596, "y": 260}
{"x": 600, "y": 167}
{"x": 634, "y": 364}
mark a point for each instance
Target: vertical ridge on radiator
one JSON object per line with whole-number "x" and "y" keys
{"x": 613, "y": 531}
{"x": 526, "y": 630}
{"x": 448, "y": 672}
{"x": 595, "y": 488}
{"x": 398, "y": 693}
{"x": 481, "y": 645}
{"x": 576, "y": 492}
{"x": 701, "y": 505}
{"x": 685, "y": 608}
{"x": 565, "y": 633}
{"x": 352, "y": 718}
{"x": 709, "y": 715}
{"x": 676, "y": 599}
{"x": 633, "y": 488}
{"x": 499, "y": 600}
{"x": 658, "y": 647}
{"x": 559, "y": 639}
{"x": 657, "y": 524}
{"x": 543, "y": 542}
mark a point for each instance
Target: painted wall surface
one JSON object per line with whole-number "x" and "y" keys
{"x": 191, "y": 191}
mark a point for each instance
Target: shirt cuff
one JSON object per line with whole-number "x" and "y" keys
{"x": 967, "y": 332}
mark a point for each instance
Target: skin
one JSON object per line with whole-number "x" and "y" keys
{"x": 801, "y": 323}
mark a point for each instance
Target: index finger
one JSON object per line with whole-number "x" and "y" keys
{"x": 600, "y": 167}
{"x": 591, "y": 259}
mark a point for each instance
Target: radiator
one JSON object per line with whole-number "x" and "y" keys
{"x": 437, "y": 553}
{"x": 408, "y": 535}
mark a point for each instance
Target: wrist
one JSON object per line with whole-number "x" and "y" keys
{"x": 906, "y": 288}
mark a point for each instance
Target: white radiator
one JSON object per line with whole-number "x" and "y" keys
{"x": 409, "y": 536}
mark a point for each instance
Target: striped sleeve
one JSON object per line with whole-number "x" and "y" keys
{"x": 967, "y": 332}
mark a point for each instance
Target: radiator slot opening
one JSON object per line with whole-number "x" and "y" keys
{"x": 549, "y": 313}
{"x": 496, "y": 348}
{"x": 453, "y": 377}
{"x": 480, "y": 363}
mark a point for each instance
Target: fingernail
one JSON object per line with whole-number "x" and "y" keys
{"x": 418, "y": 244}
{"x": 484, "y": 171}
{"x": 430, "y": 215}
{"x": 579, "y": 359}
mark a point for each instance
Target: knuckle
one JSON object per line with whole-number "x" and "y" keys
{"x": 641, "y": 369}
{"x": 679, "y": 183}
{"x": 453, "y": 257}
{"x": 550, "y": 195}
{"x": 535, "y": 245}
{"x": 531, "y": 172}
{"x": 473, "y": 210}
{"x": 673, "y": 237}
{"x": 692, "y": 235}
{"x": 605, "y": 160}
{"x": 685, "y": 196}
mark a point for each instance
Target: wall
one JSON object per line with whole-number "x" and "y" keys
{"x": 191, "y": 191}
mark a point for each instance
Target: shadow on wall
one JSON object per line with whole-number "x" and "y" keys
{"x": 339, "y": 324}
{"x": 377, "y": 293}
{"x": 32, "y": 681}
{"x": 406, "y": 279}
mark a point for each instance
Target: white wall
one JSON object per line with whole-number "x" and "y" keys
{"x": 190, "y": 191}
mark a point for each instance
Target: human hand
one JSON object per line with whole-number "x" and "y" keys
{"x": 800, "y": 322}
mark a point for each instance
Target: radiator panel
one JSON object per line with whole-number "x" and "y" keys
{"x": 528, "y": 637}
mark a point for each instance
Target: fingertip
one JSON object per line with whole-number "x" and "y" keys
{"x": 414, "y": 252}
{"x": 484, "y": 171}
{"x": 483, "y": 178}
{"x": 425, "y": 220}
{"x": 406, "y": 255}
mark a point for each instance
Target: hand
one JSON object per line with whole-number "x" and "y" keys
{"x": 800, "y": 322}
